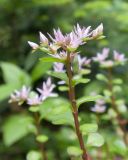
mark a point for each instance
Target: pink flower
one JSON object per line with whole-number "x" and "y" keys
{"x": 59, "y": 38}
{"x": 82, "y": 32}
{"x": 43, "y": 39}
{"x": 73, "y": 41}
{"x": 58, "y": 67}
{"x": 119, "y": 57}
{"x": 83, "y": 61}
{"x": 98, "y": 31}
{"x": 33, "y": 45}
{"x": 47, "y": 89}
{"x": 102, "y": 56}
{"x": 36, "y": 100}
{"x": 107, "y": 64}
{"x": 21, "y": 95}
{"x": 99, "y": 107}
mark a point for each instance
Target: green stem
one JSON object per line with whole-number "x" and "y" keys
{"x": 41, "y": 145}
{"x": 74, "y": 109}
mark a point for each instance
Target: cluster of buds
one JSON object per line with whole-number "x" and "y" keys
{"x": 102, "y": 58}
{"x": 68, "y": 42}
{"x": 25, "y": 95}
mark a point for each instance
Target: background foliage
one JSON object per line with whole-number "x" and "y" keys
{"x": 21, "y": 21}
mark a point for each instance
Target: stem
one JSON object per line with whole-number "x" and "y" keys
{"x": 41, "y": 145}
{"x": 113, "y": 101}
{"x": 74, "y": 109}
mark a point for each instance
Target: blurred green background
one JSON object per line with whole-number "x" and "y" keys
{"x": 21, "y": 20}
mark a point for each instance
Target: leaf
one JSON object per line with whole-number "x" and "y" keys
{"x": 59, "y": 75}
{"x": 74, "y": 151}
{"x": 95, "y": 139}
{"x": 6, "y": 90}
{"x": 94, "y": 86}
{"x": 85, "y": 71}
{"x": 87, "y": 99}
{"x": 57, "y": 111}
{"x": 88, "y": 128}
{"x": 51, "y": 59}
{"x": 34, "y": 155}
{"x": 81, "y": 80}
{"x": 117, "y": 81}
{"x": 101, "y": 77}
{"x": 63, "y": 88}
{"x": 34, "y": 108}
{"x": 39, "y": 70}
{"x": 14, "y": 74}
{"x": 16, "y": 127}
{"x": 118, "y": 146}
{"x": 42, "y": 138}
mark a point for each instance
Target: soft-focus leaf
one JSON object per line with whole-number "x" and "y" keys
{"x": 74, "y": 151}
{"x": 95, "y": 139}
{"x": 14, "y": 74}
{"x": 101, "y": 77}
{"x": 42, "y": 138}
{"x": 34, "y": 108}
{"x": 63, "y": 88}
{"x": 51, "y": 59}
{"x": 57, "y": 111}
{"x": 16, "y": 127}
{"x": 6, "y": 90}
{"x": 85, "y": 71}
{"x": 59, "y": 75}
{"x": 88, "y": 128}
{"x": 117, "y": 81}
{"x": 80, "y": 80}
{"x": 87, "y": 99}
{"x": 34, "y": 155}
{"x": 39, "y": 70}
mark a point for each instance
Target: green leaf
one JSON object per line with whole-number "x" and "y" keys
{"x": 87, "y": 99}
{"x": 59, "y": 75}
{"x": 95, "y": 139}
{"x": 85, "y": 71}
{"x": 101, "y": 77}
{"x": 119, "y": 147}
{"x": 14, "y": 74}
{"x": 34, "y": 155}
{"x": 34, "y": 108}
{"x": 80, "y": 80}
{"x": 42, "y": 138}
{"x": 57, "y": 111}
{"x": 88, "y": 128}
{"x": 39, "y": 70}
{"x": 51, "y": 59}
{"x": 63, "y": 88}
{"x": 74, "y": 151}
{"x": 16, "y": 127}
{"x": 117, "y": 81}
{"x": 6, "y": 90}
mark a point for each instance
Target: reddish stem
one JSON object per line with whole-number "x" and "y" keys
{"x": 85, "y": 156}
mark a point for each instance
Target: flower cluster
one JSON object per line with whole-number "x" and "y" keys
{"x": 102, "y": 58}
{"x": 99, "y": 107}
{"x": 68, "y": 42}
{"x": 25, "y": 95}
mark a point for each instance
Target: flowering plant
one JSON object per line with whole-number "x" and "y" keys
{"x": 63, "y": 51}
